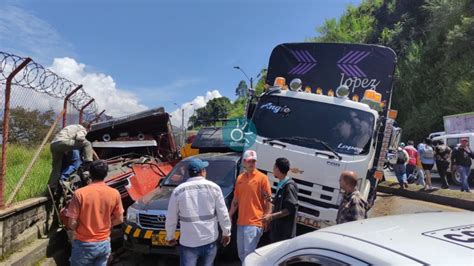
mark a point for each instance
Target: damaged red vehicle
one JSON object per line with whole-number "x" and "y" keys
{"x": 140, "y": 150}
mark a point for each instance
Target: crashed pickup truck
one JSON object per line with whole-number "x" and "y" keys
{"x": 140, "y": 150}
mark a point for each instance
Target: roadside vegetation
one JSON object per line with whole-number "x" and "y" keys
{"x": 434, "y": 41}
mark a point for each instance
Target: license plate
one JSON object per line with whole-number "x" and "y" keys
{"x": 160, "y": 238}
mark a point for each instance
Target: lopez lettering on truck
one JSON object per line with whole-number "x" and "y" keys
{"x": 323, "y": 67}
{"x": 460, "y": 235}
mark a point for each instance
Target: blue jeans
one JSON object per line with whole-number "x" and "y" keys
{"x": 247, "y": 239}
{"x": 464, "y": 172}
{"x": 203, "y": 255}
{"x": 90, "y": 253}
{"x": 401, "y": 173}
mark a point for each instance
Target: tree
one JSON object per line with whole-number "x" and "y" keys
{"x": 29, "y": 126}
{"x": 214, "y": 110}
{"x": 242, "y": 90}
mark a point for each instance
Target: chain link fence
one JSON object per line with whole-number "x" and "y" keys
{"x": 36, "y": 104}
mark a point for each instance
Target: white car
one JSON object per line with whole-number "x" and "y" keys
{"x": 427, "y": 238}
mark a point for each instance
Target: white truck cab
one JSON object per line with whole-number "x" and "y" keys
{"x": 333, "y": 115}
{"x": 309, "y": 122}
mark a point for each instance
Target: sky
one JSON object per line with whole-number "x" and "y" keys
{"x": 135, "y": 55}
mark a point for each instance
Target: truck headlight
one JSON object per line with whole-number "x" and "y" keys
{"x": 132, "y": 215}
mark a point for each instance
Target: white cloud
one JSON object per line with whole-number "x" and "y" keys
{"x": 189, "y": 107}
{"x": 24, "y": 34}
{"x": 100, "y": 86}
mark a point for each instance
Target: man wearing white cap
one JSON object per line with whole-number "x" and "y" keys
{"x": 252, "y": 199}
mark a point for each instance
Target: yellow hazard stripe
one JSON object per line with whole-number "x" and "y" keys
{"x": 137, "y": 233}
{"x": 148, "y": 234}
{"x": 128, "y": 229}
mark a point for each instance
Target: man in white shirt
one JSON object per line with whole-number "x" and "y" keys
{"x": 198, "y": 204}
{"x": 69, "y": 138}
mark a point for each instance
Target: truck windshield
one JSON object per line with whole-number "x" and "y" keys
{"x": 219, "y": 172}
{"x": 346, "y": 130}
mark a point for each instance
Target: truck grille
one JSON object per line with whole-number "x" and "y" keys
{"x": 152, "y": 221}
{"x": 120, "y": 185}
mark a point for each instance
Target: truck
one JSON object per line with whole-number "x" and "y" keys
{"x": 326, "y": 108}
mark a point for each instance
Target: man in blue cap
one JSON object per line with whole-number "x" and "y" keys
{"x": 199, "y": 205}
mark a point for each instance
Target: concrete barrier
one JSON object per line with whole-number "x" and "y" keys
{"x": 449, "y": 197}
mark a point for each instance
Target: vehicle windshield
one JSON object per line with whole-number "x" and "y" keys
{"x": 346, "y": 130}
{"x": 219, "y": 172}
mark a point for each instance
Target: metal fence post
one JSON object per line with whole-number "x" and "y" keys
{"x": 6, "y": 127}
{"x": 97, "y": 117}
{"x": 81, "y": 112}
{"x": 66, "y": 99}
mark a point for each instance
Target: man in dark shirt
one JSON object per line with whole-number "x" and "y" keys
{"x": 285, "y": 204}
{"x": 442, "y": 152}
{"x": 461, "y": 162}
{"x": 353, "y": 207}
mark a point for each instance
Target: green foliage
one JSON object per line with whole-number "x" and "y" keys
{"x": 214, "y": 110}
{"x": 18, "y": 158}
{"x": 29, "y": 126}
{"x": 434, "y": 40}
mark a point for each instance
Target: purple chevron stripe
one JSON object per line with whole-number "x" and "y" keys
{"x": 301, "y": 54}
{"x": 310, "y": 56}
{"x": 360, "y": 59}
{"x": 353, "y": 70}
{"x": 307, "y": 69}
{"x": 354, "y": 55}
{"x": 296, "y": 68}
{"x": 301, "y": 66}
{"x": 297, "y": 56}
{"x": 355, "y": 58}
{"x": 301, "y": 71}
{"x": 344, "y": 57}
{"x": 345, "y": 70}
{"x": 360, "y": 70}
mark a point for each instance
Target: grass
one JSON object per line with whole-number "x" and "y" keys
{"x": 18, "y": 158}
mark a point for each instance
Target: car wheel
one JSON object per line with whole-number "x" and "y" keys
{"x": 455, "y": 178}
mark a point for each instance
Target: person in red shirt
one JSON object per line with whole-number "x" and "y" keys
{"x": 94, "y": 210}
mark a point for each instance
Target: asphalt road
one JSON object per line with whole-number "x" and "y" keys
{"x": 385, "y": 205}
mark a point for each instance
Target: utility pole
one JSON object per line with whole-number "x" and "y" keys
{"x": 182, "y": 127}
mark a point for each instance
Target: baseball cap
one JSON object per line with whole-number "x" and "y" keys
{"x": 250, "y": 155}
{"x": 196, "y": 165}
{"x": 464, "y": 139}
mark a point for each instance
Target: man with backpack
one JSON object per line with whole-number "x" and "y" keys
{"x": 400, "y": 167}
{"x": 443, "y": 152}
{"x": 427, "y": 155}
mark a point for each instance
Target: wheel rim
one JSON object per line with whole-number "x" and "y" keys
{"x": 457, "y": 178}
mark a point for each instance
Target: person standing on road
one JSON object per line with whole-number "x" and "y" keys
{"x": 353, "y": 206}
{"x": 414, "y": 165}
{"x": 461, "y": 161}
{"x": 427, "y": 156}
{"x": 199, "y": 205}
{"x": 252, "y": 200}
{"x": 443, "y": 152}
{"x": 400, "y": 167}
{"x": 69, "y": 138}
{"x": 285, "y": 204}
{"x": 94, "y": 210}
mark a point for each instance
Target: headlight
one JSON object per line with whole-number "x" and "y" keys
{"x": 132, "y": 215}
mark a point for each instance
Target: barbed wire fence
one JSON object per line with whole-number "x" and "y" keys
{"x": 36, "y": 104}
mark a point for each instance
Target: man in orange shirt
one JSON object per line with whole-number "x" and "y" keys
{"x": 94, "y": 210}
{"x": 252, "y": 199}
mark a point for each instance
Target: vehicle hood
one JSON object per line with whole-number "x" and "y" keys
{"x": 158, "y": 199}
